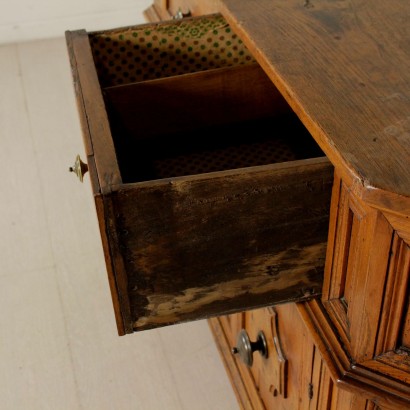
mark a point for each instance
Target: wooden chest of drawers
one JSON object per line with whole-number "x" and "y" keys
{"x": 185, "y": 242}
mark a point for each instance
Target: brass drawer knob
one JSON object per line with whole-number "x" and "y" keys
{"x": 79, "y": 168}
{"x": 245, "y": 348}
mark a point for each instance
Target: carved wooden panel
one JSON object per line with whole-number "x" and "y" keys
{"x": 362, "y": 323}
{"x": 405, "y": 337}
{"x": 394, "y": 323}
{"x": 290, "y": 377}
{"x": 275, "y": 366}
{"x": 307, "y": 379}
{"x": 358, "y": 260}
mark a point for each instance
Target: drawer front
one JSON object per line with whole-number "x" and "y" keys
{"x": 211, "y": 196}
{"x": 292, "y": 375}
{"x": 284, "y": 377}
{"x": 287, "y": 374}
{"x": 202, "y": 246}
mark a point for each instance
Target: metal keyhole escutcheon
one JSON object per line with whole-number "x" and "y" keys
{"x": 245, "y": 347}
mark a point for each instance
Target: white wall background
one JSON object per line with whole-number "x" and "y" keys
{"x": 25, "y": 20}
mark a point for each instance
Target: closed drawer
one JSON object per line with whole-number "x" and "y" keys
{"x": 211, "y": 196}
{"x": 285, "y": 372}
{"x": 290, "y": 374}
{"x": 284, "y": 378}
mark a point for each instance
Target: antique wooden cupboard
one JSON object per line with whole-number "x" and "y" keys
{"x": 249, "y": 162}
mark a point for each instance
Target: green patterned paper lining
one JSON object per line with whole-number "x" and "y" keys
{"x": 235, "y": 156}
{"x": 146, "y": 52}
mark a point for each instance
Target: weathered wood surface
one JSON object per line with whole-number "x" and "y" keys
{"x": 344, "y": 68}
{"x": 204, "y": 245}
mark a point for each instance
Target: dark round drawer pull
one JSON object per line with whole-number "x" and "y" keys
{"x": 245, "y": 348}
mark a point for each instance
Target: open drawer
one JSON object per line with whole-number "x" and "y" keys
{"x": 211, "y": 195}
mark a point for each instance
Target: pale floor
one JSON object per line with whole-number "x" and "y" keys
{"x": 59, "y": 347}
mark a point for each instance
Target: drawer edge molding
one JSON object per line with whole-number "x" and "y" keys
{"x": 93, "y": 116}
{"x": 345, "y": 373}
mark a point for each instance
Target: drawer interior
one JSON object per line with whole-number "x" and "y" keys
{"x": 186, "y": 97}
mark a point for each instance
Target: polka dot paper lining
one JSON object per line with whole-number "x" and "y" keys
{"x": 149, "y": 52}
{"x": 239, "y": 156}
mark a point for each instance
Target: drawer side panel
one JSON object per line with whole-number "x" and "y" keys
{"x": 102, "y": 164}
{"x": 93, "y": 116}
